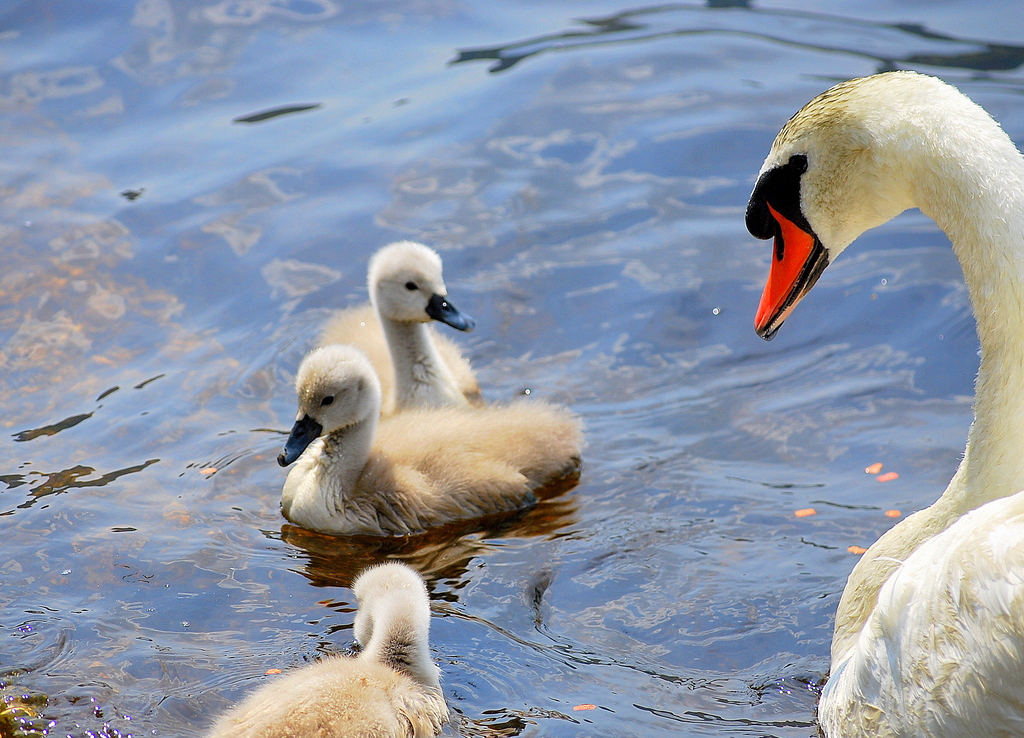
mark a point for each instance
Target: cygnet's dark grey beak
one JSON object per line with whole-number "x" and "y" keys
{"x": 440, "y": 309}
{"x": 304, "y": 432}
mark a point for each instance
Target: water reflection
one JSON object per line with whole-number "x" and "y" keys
{"x": 591, "y": 206}
{"x": 506, "y": 722}
{"x": 52, "y": 429}
{"x": 274, "y": 113}
{"x": 695, "y": 716}
{"x": 892, "y": 45}
{"x": 59, "y": 482}
{"x": 443, "y": 553}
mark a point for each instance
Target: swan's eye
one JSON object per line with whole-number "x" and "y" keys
{"x": 327, "y": 401}
{"x": 411, "y": 286}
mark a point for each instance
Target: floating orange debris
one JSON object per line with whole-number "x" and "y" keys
{"x": 892, "y": 513}
{"x": 805, "y": 512}
{"x": 208, "y": 470}
{"x": 577, "y": 708}
{"x": 272, "y": 671}
{"x": 887, "y": 477}
{"x": 874, "y": 468}
{"x": 856, "y": 549}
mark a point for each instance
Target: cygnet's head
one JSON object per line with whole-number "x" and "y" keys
{"x": 393, "y": 621}
{"x": 378, "y": 582}
{"x": 337, "y": 387}
{"x": 406, "y": 285}
{"x": 843, "y": 163}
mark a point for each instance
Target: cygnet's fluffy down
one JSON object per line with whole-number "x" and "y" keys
{"x": 358, "y": 474}
{"x": 417, "y": 366}
{"x": 390, "y": 690}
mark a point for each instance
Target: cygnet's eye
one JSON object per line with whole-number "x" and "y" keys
{"x": 411, "y": 286}
{"x": 327, "y": 401}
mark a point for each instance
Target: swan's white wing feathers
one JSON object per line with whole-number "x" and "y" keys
{"x": 943, "y": 649}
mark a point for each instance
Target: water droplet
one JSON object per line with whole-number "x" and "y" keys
{"x": 885, "y": 281}
{"x": 715, "y": 311}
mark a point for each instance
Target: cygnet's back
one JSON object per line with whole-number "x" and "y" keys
{"x": 417, "y": 366}
{"x": 390, "y": 690}
{"x": 415, "y": 470}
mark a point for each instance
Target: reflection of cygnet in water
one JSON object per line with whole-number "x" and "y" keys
{"x": 443, "y": 553}
{"x": 416, "y": 470}
{"x": 390, "y": 690}
{"x": 417, "y": 367}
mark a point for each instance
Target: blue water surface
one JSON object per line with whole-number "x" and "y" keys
{"x": 190, "y": 187}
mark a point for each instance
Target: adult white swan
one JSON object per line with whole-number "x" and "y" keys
{"x": 929, "y": 635}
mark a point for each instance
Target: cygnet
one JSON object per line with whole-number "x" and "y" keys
{"x": 390, "y": 690}
{"x": 417, "y": 367}
{"x": 359, "y": 474}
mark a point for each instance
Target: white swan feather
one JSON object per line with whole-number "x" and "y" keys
{"x": 929, "y": 634}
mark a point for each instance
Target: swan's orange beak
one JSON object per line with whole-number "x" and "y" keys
{"x": 797, "y": 262}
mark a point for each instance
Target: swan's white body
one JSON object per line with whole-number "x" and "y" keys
{"x": 418, "y": 469}
{"x": 417, "y": 367}
{"x": 929, "y": 635}
{"x": 942, "y": 651}
{"x": 390, "y": 690}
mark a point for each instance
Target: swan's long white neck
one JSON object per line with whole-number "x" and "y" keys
{"x": 977, "y": 198}
{"x": 965, "y": 173}
{"x": 421, "y": 377}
